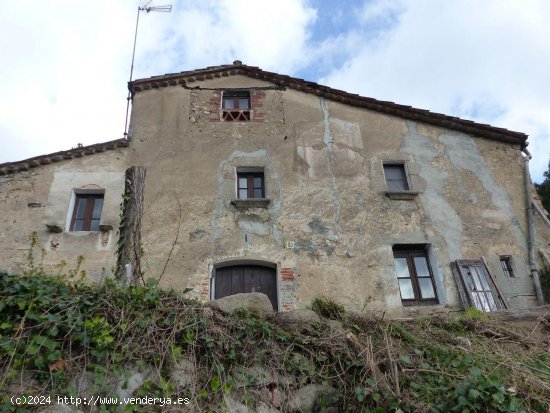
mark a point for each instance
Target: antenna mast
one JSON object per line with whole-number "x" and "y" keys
{"x": 146, "y": 8}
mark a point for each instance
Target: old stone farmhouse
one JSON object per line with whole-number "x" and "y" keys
{"x": 248, "y": 180}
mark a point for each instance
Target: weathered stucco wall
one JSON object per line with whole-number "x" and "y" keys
{"x": 329, "y": 226}
{"x": 31, "y": 199}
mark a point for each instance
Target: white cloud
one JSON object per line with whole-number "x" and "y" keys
{"x": 61, "y": 80}
{"x": 259, "y": 33}
{"x": 69, "y": 61}
{"x": 486, "y": 61}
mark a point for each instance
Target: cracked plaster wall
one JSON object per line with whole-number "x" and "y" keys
{"x": 468, "y": 202}
{"x": 323, "y": 164}
{"x": 40, "y": 196}
{"x": 324, "y": 177}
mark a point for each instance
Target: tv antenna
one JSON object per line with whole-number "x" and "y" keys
{"x": 148, "y": 8}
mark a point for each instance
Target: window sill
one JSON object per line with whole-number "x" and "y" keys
{"x": 427, "y": 303}
{"x": 56, "y": 229}
{"x": 251, "y": 203}
{"x": 401, "y": 195}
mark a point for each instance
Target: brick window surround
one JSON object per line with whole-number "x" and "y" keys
{"x": 236, "y": 106}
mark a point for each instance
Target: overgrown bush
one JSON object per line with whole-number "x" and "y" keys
{"x": 328, "y": 308}
{"x": 56, "y": 330}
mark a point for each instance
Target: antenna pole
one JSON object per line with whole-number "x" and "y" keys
{"x": 135, "y": 41}
{"x": 146, "y": 8}
{"x": 131, "y": 74}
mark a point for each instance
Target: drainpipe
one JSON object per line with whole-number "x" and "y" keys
{"x": 531, "y": 230}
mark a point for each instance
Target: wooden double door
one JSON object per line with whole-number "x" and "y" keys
{"x": 246, "y": 279}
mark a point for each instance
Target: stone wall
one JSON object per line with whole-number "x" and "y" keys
{"x": 44, "y": 195}
{"x": 327, "y": 224}
{"x": 328, "y": 217}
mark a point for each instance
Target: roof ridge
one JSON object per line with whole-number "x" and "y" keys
{"x": 387, "y": 107}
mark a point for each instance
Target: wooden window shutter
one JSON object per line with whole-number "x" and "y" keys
{"x": 476, "y": 286}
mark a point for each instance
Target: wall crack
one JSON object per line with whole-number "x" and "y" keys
{"x": 328, "y": 139}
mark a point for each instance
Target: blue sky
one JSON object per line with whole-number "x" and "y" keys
{"x": 69, "y": 60}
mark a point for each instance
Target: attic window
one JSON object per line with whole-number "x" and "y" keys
{"x": 236, "y": 106}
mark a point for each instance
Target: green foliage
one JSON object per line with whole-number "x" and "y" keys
{"x": 53, "y": 328}
{"x": 479, "y": 393}
{"x": 473, "y": 313}
{"x": 543, "y": 189}
{"x": 328, "y": 308}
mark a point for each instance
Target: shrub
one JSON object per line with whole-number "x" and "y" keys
{"x": 328, "y": 308}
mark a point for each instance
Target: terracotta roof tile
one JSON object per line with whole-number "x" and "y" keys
{"x": 26, "y": 164}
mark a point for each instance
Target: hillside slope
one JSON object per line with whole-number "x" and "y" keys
{"x": 90, "y": 341}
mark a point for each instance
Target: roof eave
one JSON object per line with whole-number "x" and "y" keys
{"x": 27, "y": 164}
{"x": 390, "y": 108}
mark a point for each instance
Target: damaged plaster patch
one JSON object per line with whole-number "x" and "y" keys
{"x": 329, "y": 141}
{"x": 218, "y": 210}
{"x": 318, "y": 227}
{"x": 197, "y": 234}
{"x": 254, "y": 224}
{"x": 276, "y": 204}
{"x": 445, "y": 219}
{"x": 259, "y": 225}
{"x": 463, "y": 152}
{"x": 313, "y": 249}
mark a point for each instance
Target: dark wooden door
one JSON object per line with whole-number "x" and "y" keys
{"x": 246, "y": 279}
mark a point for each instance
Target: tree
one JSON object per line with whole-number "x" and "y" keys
{"x": 543, "y": 189}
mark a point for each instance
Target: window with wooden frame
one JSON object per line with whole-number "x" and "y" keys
{"x": 414, "y": 275}
{"x": 250, "y": 184}
{"x": 236, "y": 105}
{"x": 507, "y": 268}
{"x": 87, "y": 212}
{"x": 476, "y": 286}
{"x": 396, "y": 177}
